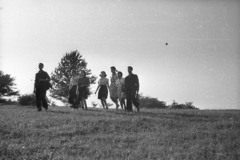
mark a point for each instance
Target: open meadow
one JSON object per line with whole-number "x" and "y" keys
{"x": 163, "y": 134}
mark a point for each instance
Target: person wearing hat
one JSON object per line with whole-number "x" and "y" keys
{"x": 131, "y": 90}
{"x": 103, "y": 86}
{"x": 40, "y": 87}
{"x": 113, "y": 87}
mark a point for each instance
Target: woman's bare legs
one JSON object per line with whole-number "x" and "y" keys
{"x": 105, "y": 101}
{"x": 122, "y": 102}
{"x": 103, "y": 104}
{"x": 85, "y": 103}
{"x": 115, "y": 100}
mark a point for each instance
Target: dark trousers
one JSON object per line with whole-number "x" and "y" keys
{"x": 41, "y": 98}
{"x": 131, "y": 98}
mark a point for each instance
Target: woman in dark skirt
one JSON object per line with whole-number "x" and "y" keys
{"x": 83, "y": 84}
{"x": 103, "y": 84}
{"x": 73, "y": 91}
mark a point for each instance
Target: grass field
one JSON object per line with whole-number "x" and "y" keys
{"x": 61, "y": 133}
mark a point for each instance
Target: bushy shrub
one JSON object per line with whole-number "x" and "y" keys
{"x": 27, "y": 99}
{"x": 94, "y": 104}
{"x": 188, "y": 105}
{"x": 149, "y": 102}
{"x": 2, "y": 100}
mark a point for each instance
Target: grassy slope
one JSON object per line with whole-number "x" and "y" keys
{"x": 99, "y": 134}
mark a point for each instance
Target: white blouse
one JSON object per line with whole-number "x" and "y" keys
{"x": 114, "y": 78}
{"x": 120, "y": 82}
{"x": 74, "y": 80}
{"x": 103, "y": 81}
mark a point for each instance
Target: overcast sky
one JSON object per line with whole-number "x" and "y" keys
{"x": 200, "y": 64}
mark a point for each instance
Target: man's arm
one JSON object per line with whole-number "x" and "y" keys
{"x": 47, "y": 77}
{"x": 137, "y": 82}
{"x": 35, "y": 83}
{"x": 125, "y": 84}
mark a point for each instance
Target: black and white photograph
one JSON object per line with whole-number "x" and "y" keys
{"x": 119, "y": 79}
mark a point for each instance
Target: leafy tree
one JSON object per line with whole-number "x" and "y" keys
{"x": 149, "y": 102}
{"x": 60, "y": 78}
{"x": 7, "y": 85}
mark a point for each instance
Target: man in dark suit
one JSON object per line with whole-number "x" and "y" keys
{"x": 132, "y": 89}
{"x": 40, "y": 87}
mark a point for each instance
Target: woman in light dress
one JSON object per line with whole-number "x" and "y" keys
{"x": 113, "y": 87}
{"x": 83, "y": 84}
{"x": 120, "y": 82}
{"x": 103, "y": 86}
{"x": 73, "y": 90}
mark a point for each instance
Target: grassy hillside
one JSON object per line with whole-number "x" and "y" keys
{"x": 61, "y": 133}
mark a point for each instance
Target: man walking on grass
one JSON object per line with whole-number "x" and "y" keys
{"x": 40, "y": 87}
{"x": 132, "y": 89}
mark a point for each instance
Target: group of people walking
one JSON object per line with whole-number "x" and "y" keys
{"x": 78, "y": 90}
{"x": 120, "y": 89}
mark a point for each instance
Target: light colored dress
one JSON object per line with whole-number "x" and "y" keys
{"x": 73, "y": 81}
{"x": 120, "y": 83}
{"x": 113, "y": 87}
{"x": 73, "y": 90}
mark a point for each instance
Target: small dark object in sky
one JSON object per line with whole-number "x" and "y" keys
{"x": 166, "y": 43}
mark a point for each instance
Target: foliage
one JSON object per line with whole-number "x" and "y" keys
{"x": 163, "y": 134}
{"x": 61, "y": 76}
{"x": 94, "y": 104}
{"x": 52, "y": 103}
{"x": 7, "y": 85}
{"x": 3, "y": 100}
{"x": 10, "y": 102}
{"x": 187, "y": 105}
{"x": 27, "y": 99}
{"x": 30, "y": 99}
{"x": 149, "y": 102}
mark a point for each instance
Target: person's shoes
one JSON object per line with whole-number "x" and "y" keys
{"x": 39, "y": 110}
